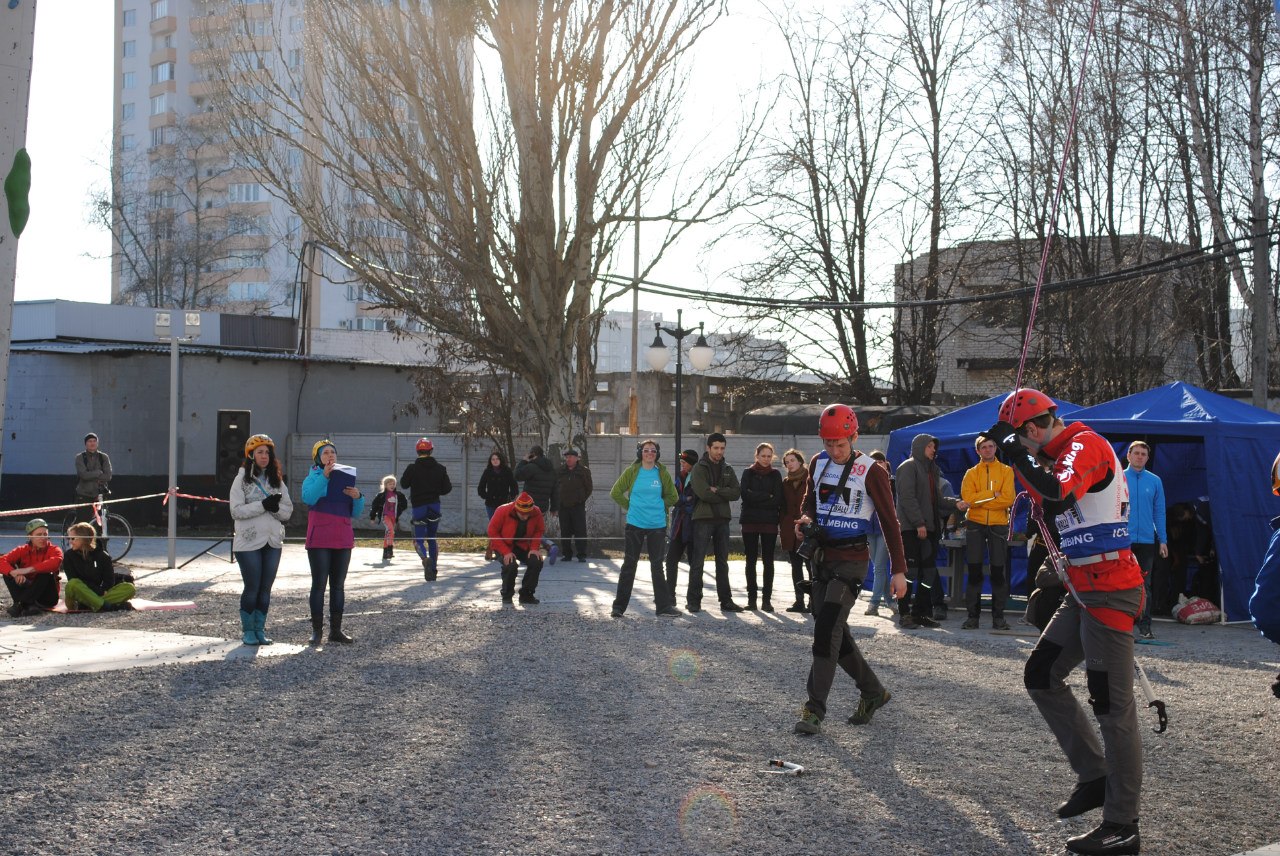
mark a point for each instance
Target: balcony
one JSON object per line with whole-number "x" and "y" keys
{"x": 164, "y": 26}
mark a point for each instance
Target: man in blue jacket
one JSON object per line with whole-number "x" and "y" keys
{"x": 1146, "y": 523}
{"x": 1264, "y": 606}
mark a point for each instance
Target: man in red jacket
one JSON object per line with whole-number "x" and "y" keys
{"x": 1086, "y": 490}
{"x": 515, "y": 534}
{"x": 31, "y": 572}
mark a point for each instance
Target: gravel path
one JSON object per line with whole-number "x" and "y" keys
{"x": 454, "y": 725}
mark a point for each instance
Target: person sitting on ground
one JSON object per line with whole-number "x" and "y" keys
{"x": 92, "y": 581}
{"x": 515, "y": 534}
{"x": 31, "y": 571}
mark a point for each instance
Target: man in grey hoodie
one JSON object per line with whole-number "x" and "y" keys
{"x": 924, "y": 501}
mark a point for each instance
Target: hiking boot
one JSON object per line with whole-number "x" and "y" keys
{"x": 872, "y": 610}
{"x": 1086, "y": 797}
{"x": 969, "y": 624}
{"x": 907, "y": 622}
{"x": 867, "y": 707}
{"x": 939, "y": 613}
{"x": 693, "y": 607}
{"x": 730, "y": 606}
{"x": 616, "y": 613}
{"x": 386, "y": 554}
{"x": 506, "y": 598}
{"x": 809, "y": 723}
{"x": 798, "y": 606}
{"x": 1109, "y": 839}
{"x": 671, "y": 611}
{"x": 926, "y": 621}
{"x": 766, "y": 606}
{"x": 528, "y": 598}
{"x": 999, "y": 624}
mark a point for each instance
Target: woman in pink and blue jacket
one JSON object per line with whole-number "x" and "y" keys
{"x": 330, "y": 538}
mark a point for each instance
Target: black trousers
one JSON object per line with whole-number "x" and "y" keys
{"x": 38, "y": 590}
{"x": 573, "y": 531}
{"x": 675, "y": 549}
{"x": 922, "y": 571}
{"x": 533, "y": 569}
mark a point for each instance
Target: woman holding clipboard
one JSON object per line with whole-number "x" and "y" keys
{"x": 334, "y": 499}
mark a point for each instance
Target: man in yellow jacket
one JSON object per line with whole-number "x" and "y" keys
{"x": 989, "y": 489}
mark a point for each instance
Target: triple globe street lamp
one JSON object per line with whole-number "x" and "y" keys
{"x": 700, "y": 356}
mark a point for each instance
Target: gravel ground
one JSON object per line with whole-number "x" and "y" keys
{"x": 453, "y": 725}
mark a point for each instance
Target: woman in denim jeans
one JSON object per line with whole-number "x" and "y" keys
{"x": 260, "y": 505}
{"x": 879, "y": 550}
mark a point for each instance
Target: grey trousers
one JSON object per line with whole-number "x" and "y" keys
{"x": 835, "y": 587}
{"x": 1074, "y": 636}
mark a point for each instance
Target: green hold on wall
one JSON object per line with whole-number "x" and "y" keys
{"x": 17, "y": 190}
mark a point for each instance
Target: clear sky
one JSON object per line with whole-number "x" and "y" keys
{"x": 69, "y": 134}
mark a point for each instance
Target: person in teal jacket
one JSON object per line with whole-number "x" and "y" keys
{"x": 646, "y": 492}
{"x": 1146, "y": 523}
{"x": 330, "y": 538}
{"x": 1264, "y": 605}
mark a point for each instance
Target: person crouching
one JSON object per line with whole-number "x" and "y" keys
{"x": 515, "y": 533}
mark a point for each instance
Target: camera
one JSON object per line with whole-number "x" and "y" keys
{"x": 809, "y": 545}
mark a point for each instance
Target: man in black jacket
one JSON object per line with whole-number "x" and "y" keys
{"x": 538, "y": 477}
{"x": 569, "y": 502}
{"x": 427, "y": 481}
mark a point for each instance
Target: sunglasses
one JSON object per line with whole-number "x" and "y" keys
{"x": 649, "y": 450}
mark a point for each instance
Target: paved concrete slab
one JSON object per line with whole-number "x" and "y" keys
{"x": 36, "y": 650}
{"x": 1269, "y": 850}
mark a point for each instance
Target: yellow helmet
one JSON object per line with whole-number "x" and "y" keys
{"x": 320, "y": 444}
{"x": 255, "y": 441}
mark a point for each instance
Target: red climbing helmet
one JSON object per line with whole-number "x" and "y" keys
{"x": 837, "y": 421}
{"x": 1024, "y": 404}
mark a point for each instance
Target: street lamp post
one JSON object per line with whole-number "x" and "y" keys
{"x": 165, "y": 331}
{"x": 700, "y": 356}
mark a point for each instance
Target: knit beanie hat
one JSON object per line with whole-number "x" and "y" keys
{"x": 524, "y": 503}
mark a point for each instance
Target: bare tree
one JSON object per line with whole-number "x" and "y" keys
{"x": 175, "y": 240}
{"x": 814, "y": 199}
{"x": 477, "y": 194}
{"x": 941, "y": 37}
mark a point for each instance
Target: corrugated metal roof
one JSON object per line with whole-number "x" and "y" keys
{"x": 63, "y": 347}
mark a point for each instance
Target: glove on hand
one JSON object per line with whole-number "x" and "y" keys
{"x": 271, "y": 504}
{"x": 1003, "y": 434}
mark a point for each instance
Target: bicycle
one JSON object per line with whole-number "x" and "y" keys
{"x": 112, "y": 522}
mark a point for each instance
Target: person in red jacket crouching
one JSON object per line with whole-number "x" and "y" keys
{"x": 31, "y": 572}
{"x": 515, "y": 534}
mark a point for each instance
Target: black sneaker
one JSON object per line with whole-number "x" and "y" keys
{"x": 907, "y": 622}
{"x": 1086, "y": 797}
{"x": 693, "y": 607}
{"x": 926, "y": 621}
{"x": 528, "y": 598}
{"x": 999, "y": 624}
{"x": 730, "y": 607}
{"x": 969, "y": 624}
{"x": 616, "y": 613}
{"x": 1109, "y": 839}
{"x": 670, "y": 611}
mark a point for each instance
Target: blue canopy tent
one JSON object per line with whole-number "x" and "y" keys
{"x": 1205, "y": 444}
{"x": 956, "y": 432}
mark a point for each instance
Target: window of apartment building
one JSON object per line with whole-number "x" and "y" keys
{"x": 128, "y": 142}
{"x": 162, "y": 199}
{"x": 356, "y": 293}
{"x": 254, "y": 26}
{"x": 379, "y": 324}
{"x": 129, "y": 80}
{"x": 129, "y": 17}
{"x": 244, "y": 192}
{"x": 162, "y": 72}
{"x": 126, "y": 111}
{"x": 159, "y": 9}
{"x": 258, "y": 225}
{"x": 162, "y": 136}
{"x": 159, "y": 103}
{"x": 602, "y": 386}
{"x": 130, "y": 49}
{"x": 295, "y": 23}
{"x": 294, "y": 58}
{"x": 248, "y": 290}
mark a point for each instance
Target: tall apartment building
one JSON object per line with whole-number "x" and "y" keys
{"x": 192, "y": 224}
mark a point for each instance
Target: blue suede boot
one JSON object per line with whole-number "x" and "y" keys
{"x": 259, "y": 625}
{"x": 248, "y": 624}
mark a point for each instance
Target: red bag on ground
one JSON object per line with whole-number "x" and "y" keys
{"x": 1196, "y": 610}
